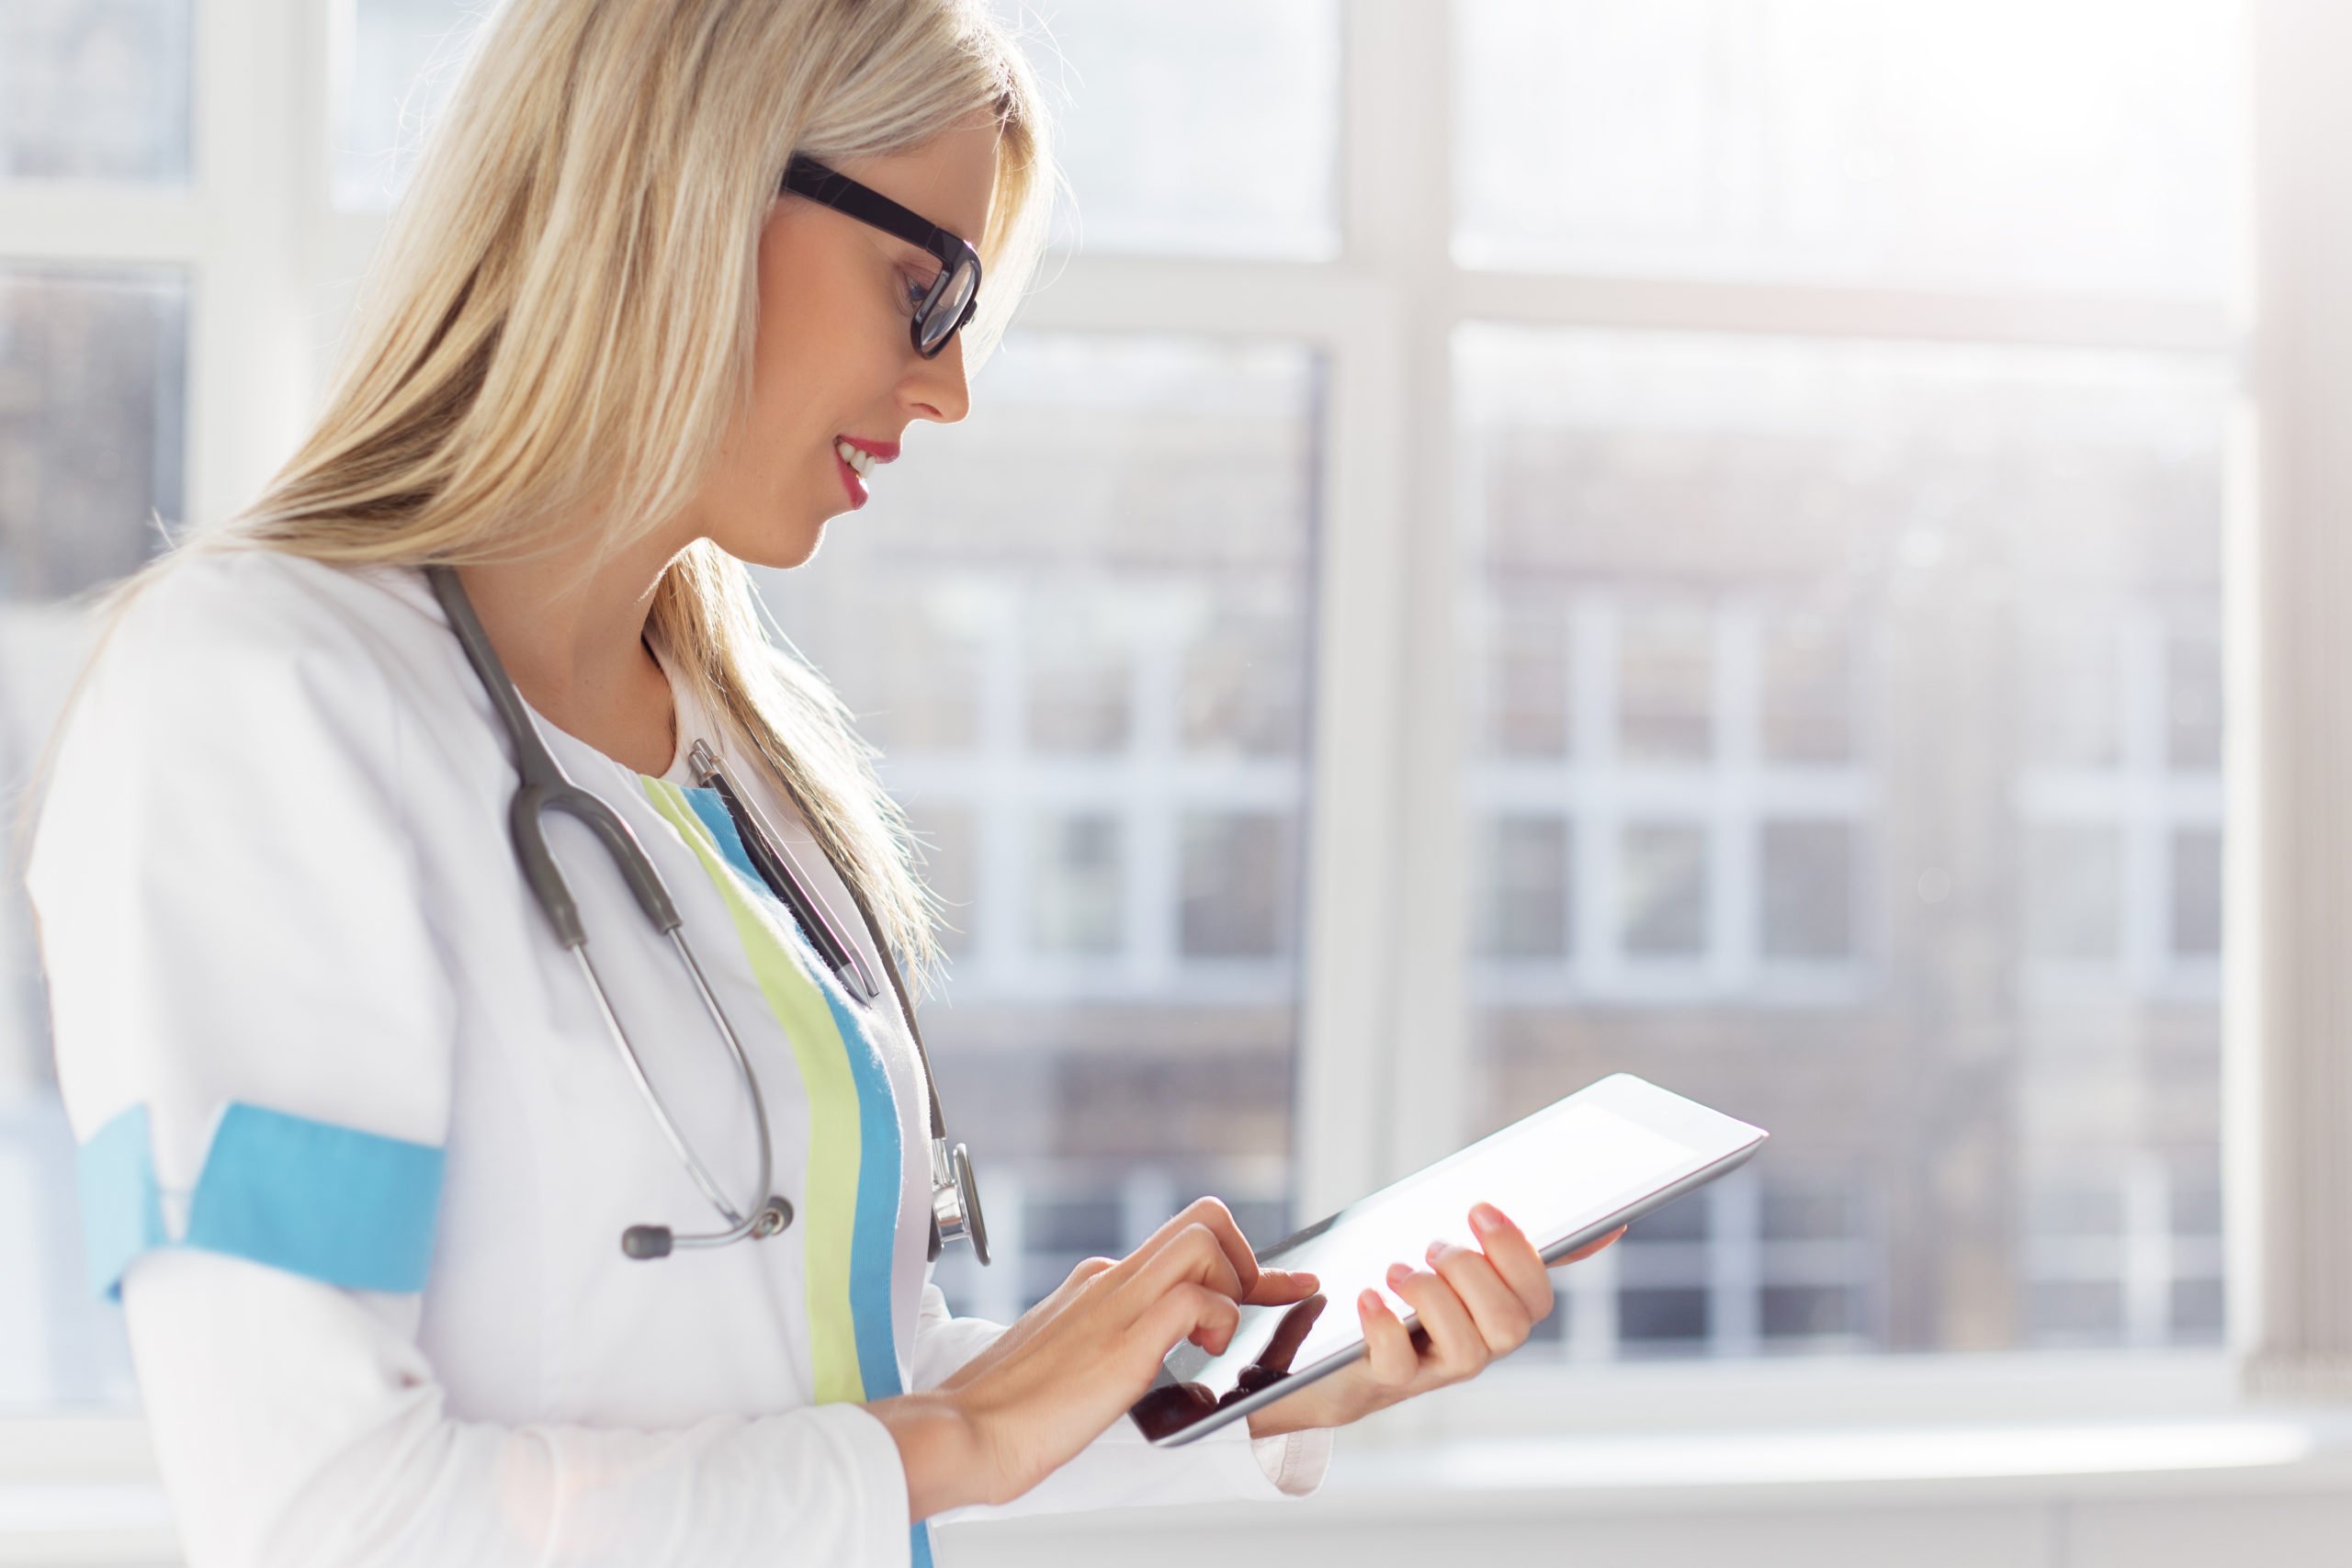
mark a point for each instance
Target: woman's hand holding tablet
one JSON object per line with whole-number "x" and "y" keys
{"x": 1554, "y": 1187}
{"x": 1473, "y": 1307}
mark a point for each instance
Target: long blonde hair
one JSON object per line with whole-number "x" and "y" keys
{"x": 557, "y": 332}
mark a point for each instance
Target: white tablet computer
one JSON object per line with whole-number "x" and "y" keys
{"x": 1567, "y": 1175}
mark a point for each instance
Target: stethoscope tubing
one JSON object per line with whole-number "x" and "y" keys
{"x": 545, "y": 787}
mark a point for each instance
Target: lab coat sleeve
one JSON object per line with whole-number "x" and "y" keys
{"x": 252, "y": 1027}
{"x": 296, "y": 1424}
{"x": 1120, "y": 1468}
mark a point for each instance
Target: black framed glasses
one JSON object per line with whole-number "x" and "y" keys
{"x": 954, "y": 294}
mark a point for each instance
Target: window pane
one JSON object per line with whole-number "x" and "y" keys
{"x": 1808, "y": 876}
{"x": 92, "y": 389}
{"x": 1243, "y": 692}
{"x": 1665, "y": 669}
{"x": 2193, "y": 699}
{"x": 1254, "y": 83}
{"x": 93, "y": 374}
{"x": 2073, "y": 704}
{"x": 1079, "y": 673}
{"x": 1664, "y": 869}
{"x": 1235, "y": 904}
{"x": 948, "y": 840}
{"x": 1526, "y": 873}
{"x": 1526, "y": 706}
{"x": 94, "y": 90}
{"x": 1849, "y": 140}
{"x": 2074, "y": 893}
{"x": 398, "y": 60}
{"x": 2196, "y": 892}
{"x": 1887, "y": 843}
{"x": 1075, "y": 886}
{"x": 1804, "y": 1311}
{"x": 1081, "y": 619}
{"x": 1808, "y": 698}
{"x": 1651, "y": 1314}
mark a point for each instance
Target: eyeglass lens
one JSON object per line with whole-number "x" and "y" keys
{"x": 942, "y": 312}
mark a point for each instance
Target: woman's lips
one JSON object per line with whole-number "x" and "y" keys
{"x": 880, "y": 451}
{"x": 851, "y": 482}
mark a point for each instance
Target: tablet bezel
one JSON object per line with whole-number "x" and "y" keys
{"x": 1723, "y": 1142}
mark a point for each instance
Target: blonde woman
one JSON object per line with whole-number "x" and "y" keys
{"x": 474, "y": 1205}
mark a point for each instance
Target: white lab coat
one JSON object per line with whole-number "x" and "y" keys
{"x": 359, "y": 1150}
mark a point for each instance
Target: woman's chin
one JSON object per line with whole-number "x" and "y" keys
{"x": 779, "y": 553}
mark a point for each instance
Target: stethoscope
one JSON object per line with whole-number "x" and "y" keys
{"x": 954, "y": 1194}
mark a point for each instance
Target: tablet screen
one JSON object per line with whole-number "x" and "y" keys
{"x": 1555, "y": 1173}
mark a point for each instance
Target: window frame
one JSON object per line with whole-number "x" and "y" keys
{"x": 1382, "y": 1069}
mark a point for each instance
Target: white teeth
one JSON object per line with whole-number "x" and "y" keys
{"x": 860, "y": 461}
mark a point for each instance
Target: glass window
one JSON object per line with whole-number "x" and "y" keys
{"x": 2074, "y": 893}
{"x": 1108, "y": 569}
{"x": 2196, "y": 892}
{"x": 93, "y": 377}
{"x": 1080, "y": 674}
{"x": 1075, "y": 886}
{"x": 1848, "y": 141}
{"x": 1663, "y": 869}
{"x": 2193, "y": 699}
{"x": 94, "y": 90}
{"x": 1526, "y": 705}
{"x": 1808, "y": 881}
{"x": 395, "y": 63}
{"x": 1243, "y": 692}
{"x": 1234, "y": 905}
{"x": 1666, "y": 666}
{"x": 1526, "y": 913}
{"x": 1880, "y": 638}
{"x": 1255, "y": 85}
{"x": 93, "y": 387}
{"x": 2123, "y": 1247}
{"x": 1808, "y": 669}
{"x": 2073, "y": 691}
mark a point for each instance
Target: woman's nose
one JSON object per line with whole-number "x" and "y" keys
{"x": 935, "y": 388}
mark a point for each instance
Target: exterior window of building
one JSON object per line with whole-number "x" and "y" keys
{"x": 1116, "y": 782}
{"x": 1877, "y": 694}
{"x": 2126, "y": 1251}
{"x": 1676, "y": 780}
{"x": 2119, "y": 798}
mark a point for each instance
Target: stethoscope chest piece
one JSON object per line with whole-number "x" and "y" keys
{"x": 956, "y": 1199}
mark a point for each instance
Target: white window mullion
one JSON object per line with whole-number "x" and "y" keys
{"x": 255, "y": 133}
{"x": 72, "y": 223}
{"x": 1398, "y": 183}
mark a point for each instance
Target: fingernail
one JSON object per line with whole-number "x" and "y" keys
{"x": 1398, "y": 1273}
{"x": 1487, "y": 1217}
{"x": 1368, "y": 1301}
{"x": 1435, "y": 1247}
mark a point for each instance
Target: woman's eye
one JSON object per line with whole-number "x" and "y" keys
{"x": 916, "y": 292}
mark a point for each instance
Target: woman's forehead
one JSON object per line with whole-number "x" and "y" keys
{"x": 950, "y": 180}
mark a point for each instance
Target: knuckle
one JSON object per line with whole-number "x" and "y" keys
{"x": 1200, "y": 1241}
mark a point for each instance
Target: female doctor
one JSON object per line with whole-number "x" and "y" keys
{"x": 474, "y": 1204}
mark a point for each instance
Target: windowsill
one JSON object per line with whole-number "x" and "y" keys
{"x": 1510, "y": 1483}
{"x": 1880, "y": 1467}
{"x": 1625, "y": 1441}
